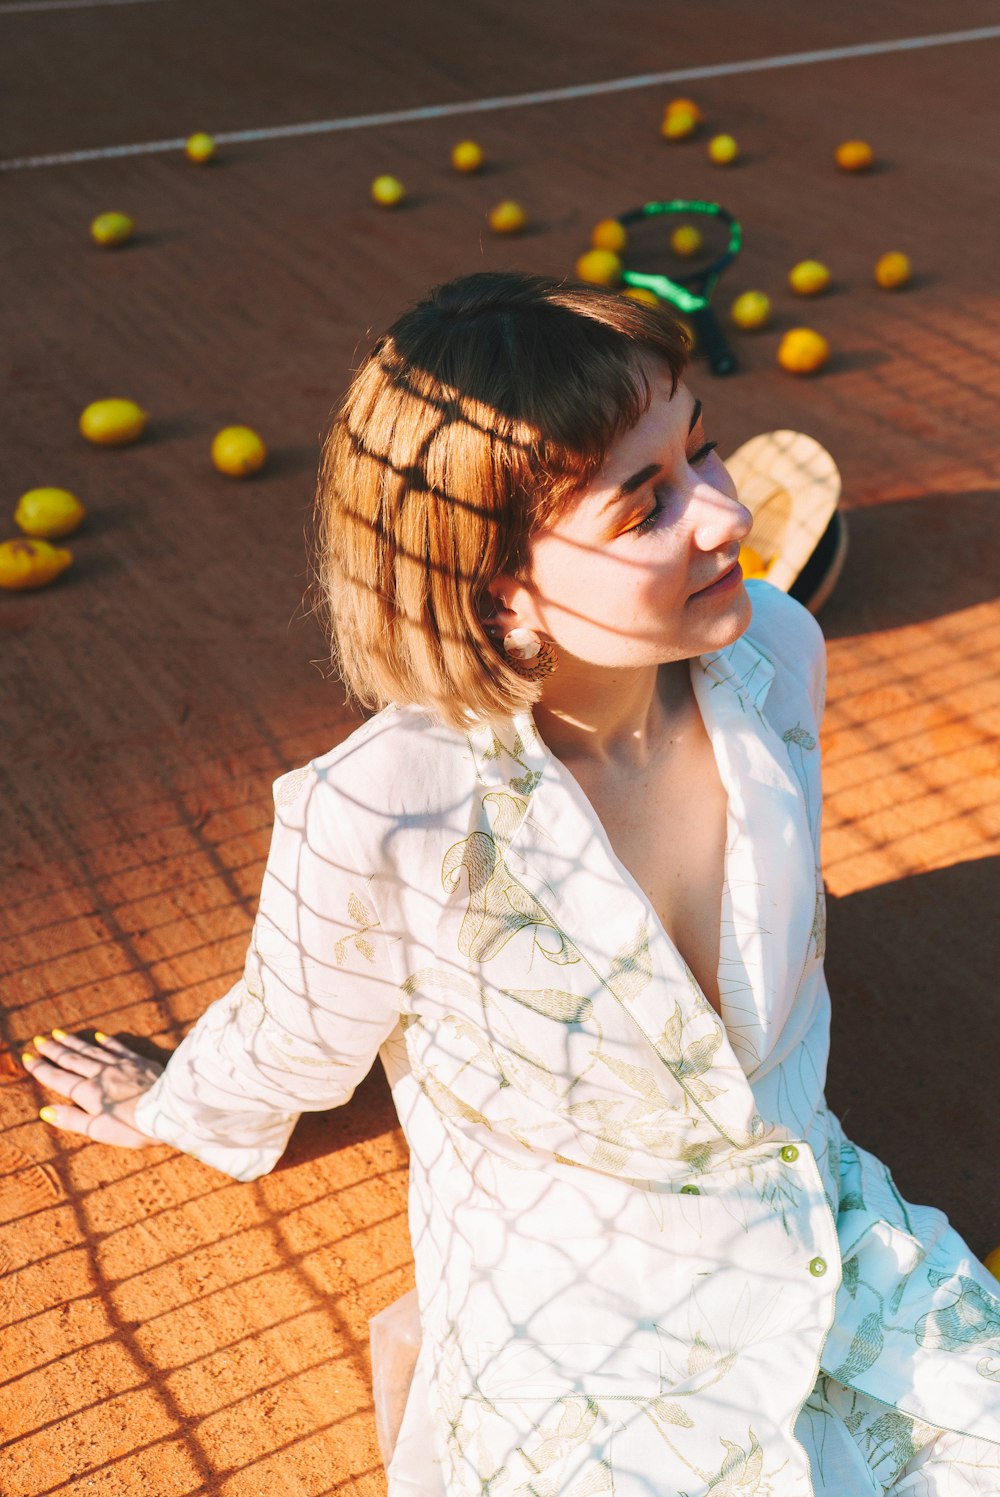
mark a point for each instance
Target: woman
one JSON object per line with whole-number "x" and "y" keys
{"x": 647, "y": 1258}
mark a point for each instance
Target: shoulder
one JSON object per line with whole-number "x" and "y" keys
{"x": 791, "y": 639}
{"x": 783, "y": 628}
{"x": 397, "y": 767}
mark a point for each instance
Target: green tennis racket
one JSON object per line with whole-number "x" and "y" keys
{"x": 685, "y": 281}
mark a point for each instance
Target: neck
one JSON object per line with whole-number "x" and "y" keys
{"x": 620, "y": 717}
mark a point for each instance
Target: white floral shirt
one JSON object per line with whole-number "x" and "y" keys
{"x": 640, "y": 1237}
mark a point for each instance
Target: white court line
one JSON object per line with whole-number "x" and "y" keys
{"x": 10, "y": 10}
{"x": 520, "y": 101}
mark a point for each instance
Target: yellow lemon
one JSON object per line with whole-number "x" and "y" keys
{"x": 678, "y": 124}
{"x": 609, "y": 234}
{"x": 50, "y": 513}
{"x": 507, "y": 218}
{"x": 751, "y": 310}
{"x": 199, "y": 147}
{"x": 892, "y": 270}
{"x": 466, "y": 156}
{"x": 992, "y": 1262}
{"x": 113, "y": 423}
{"x": 643, "y": 295}
{"x": 722, "y": 149}
{"x": 854, "y": 156}
{"x": 809, "y": 277}
{"x": 688, "y": 105}
{"x": 388, "y": 191}
{"x": 802, "y": 350}
{"x": 599, "y": 266}
{"x": 32, "y": 563}
{"x": 238, "y": 451}
{"x": 112, "y": 228}
{"x": 752, "y": 564}
{"x": 686, "y": 241}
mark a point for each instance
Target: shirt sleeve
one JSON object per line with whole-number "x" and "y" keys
{"x": 318, "y": 995}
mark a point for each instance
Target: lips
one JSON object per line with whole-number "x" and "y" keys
{"x": 724, "y": 573}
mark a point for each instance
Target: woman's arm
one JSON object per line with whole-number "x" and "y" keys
{"x": 297, "y": 1032}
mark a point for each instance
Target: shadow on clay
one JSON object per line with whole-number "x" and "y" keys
{"x": 913, "y": 1022}
{"x": 911, "y": 560}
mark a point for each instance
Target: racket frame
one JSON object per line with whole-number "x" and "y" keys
{"x": 680, "y": 291}
{"x": 674, "y": 288}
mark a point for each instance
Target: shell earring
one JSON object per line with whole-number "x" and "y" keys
{"x": 531, "y": 657}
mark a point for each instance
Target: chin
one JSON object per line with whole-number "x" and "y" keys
{"x": 742, "y": 612}
{"x": 733, "y": 622}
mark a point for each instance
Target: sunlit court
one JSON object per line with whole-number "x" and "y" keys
{"x": 166, "y": 1329}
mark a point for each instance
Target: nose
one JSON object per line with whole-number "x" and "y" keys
{"x": 717, "y": 516}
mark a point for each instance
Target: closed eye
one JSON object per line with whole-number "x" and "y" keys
{"x": 649, "y": 520}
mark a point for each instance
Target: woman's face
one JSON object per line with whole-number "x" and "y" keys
{"x": 643, "y": 568}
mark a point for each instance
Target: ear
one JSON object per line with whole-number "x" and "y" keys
{"x": 493, "y": 600}
{"x": 508, "y": 603}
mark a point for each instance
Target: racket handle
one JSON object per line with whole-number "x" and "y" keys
{"x": 713, "y": 343}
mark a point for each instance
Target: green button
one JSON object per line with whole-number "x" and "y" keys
{"x": 817, "y": 1267}
{"x": 690, "y": 1190}
{"x": 789, "y": 1153}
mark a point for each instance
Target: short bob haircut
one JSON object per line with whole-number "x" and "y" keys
{"x": 472, "y": 423}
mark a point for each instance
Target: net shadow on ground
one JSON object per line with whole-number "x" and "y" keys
{"x": 228, "y": 1322}
{"x": 260, "y": 1293}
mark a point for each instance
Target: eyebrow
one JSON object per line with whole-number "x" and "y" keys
{"x": 637, "y": 480}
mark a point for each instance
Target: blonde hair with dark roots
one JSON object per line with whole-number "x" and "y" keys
{"x": 471, "y": 423}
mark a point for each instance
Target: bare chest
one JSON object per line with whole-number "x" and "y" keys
{"x": 668, "y": 827}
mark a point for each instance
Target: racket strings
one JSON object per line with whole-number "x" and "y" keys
{"x": 655, "y": 245}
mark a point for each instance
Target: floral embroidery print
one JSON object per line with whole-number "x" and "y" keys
{"x": 970, "y": 1320}
{"x": 799, "y": 735}
{"x": 866, "y": 1348}
{"x": 498, "y": 906}
{"x": 562, "y": 1008}
{"x": 887, "y": 1438}
{"x": 365, "y": 918}
{"x": 740, "y": 1472}
{"x": 539, "y": 1464}
{"x": 290, "y": 786}
{"x": 523, "y": 783}
{"x": 818, "y": 931}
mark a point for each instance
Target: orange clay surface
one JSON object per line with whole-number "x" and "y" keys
{"x": 164, "y": 1329}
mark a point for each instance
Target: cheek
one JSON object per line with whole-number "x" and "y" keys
{"x": 578, "y": 577}
{"x": 582, "y": 590}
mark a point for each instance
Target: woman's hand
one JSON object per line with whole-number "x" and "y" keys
{"x": 102, "y": 1083}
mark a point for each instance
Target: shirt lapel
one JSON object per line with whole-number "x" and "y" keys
{"x": 769, "y": 896}
{"x": 554, "y": 844}
{"x": 558, "y": 850}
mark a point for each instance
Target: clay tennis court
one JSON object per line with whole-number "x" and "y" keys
{"x": 165, "y": 1329}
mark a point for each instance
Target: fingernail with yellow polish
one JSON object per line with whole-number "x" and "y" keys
{"x": 47, "y": 1114}
{"x": 38, "y": 1040}
{"x": 100, "y": 1037}
{"x": 27, "y": 1055}
{"x": 59, "y": 1034}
